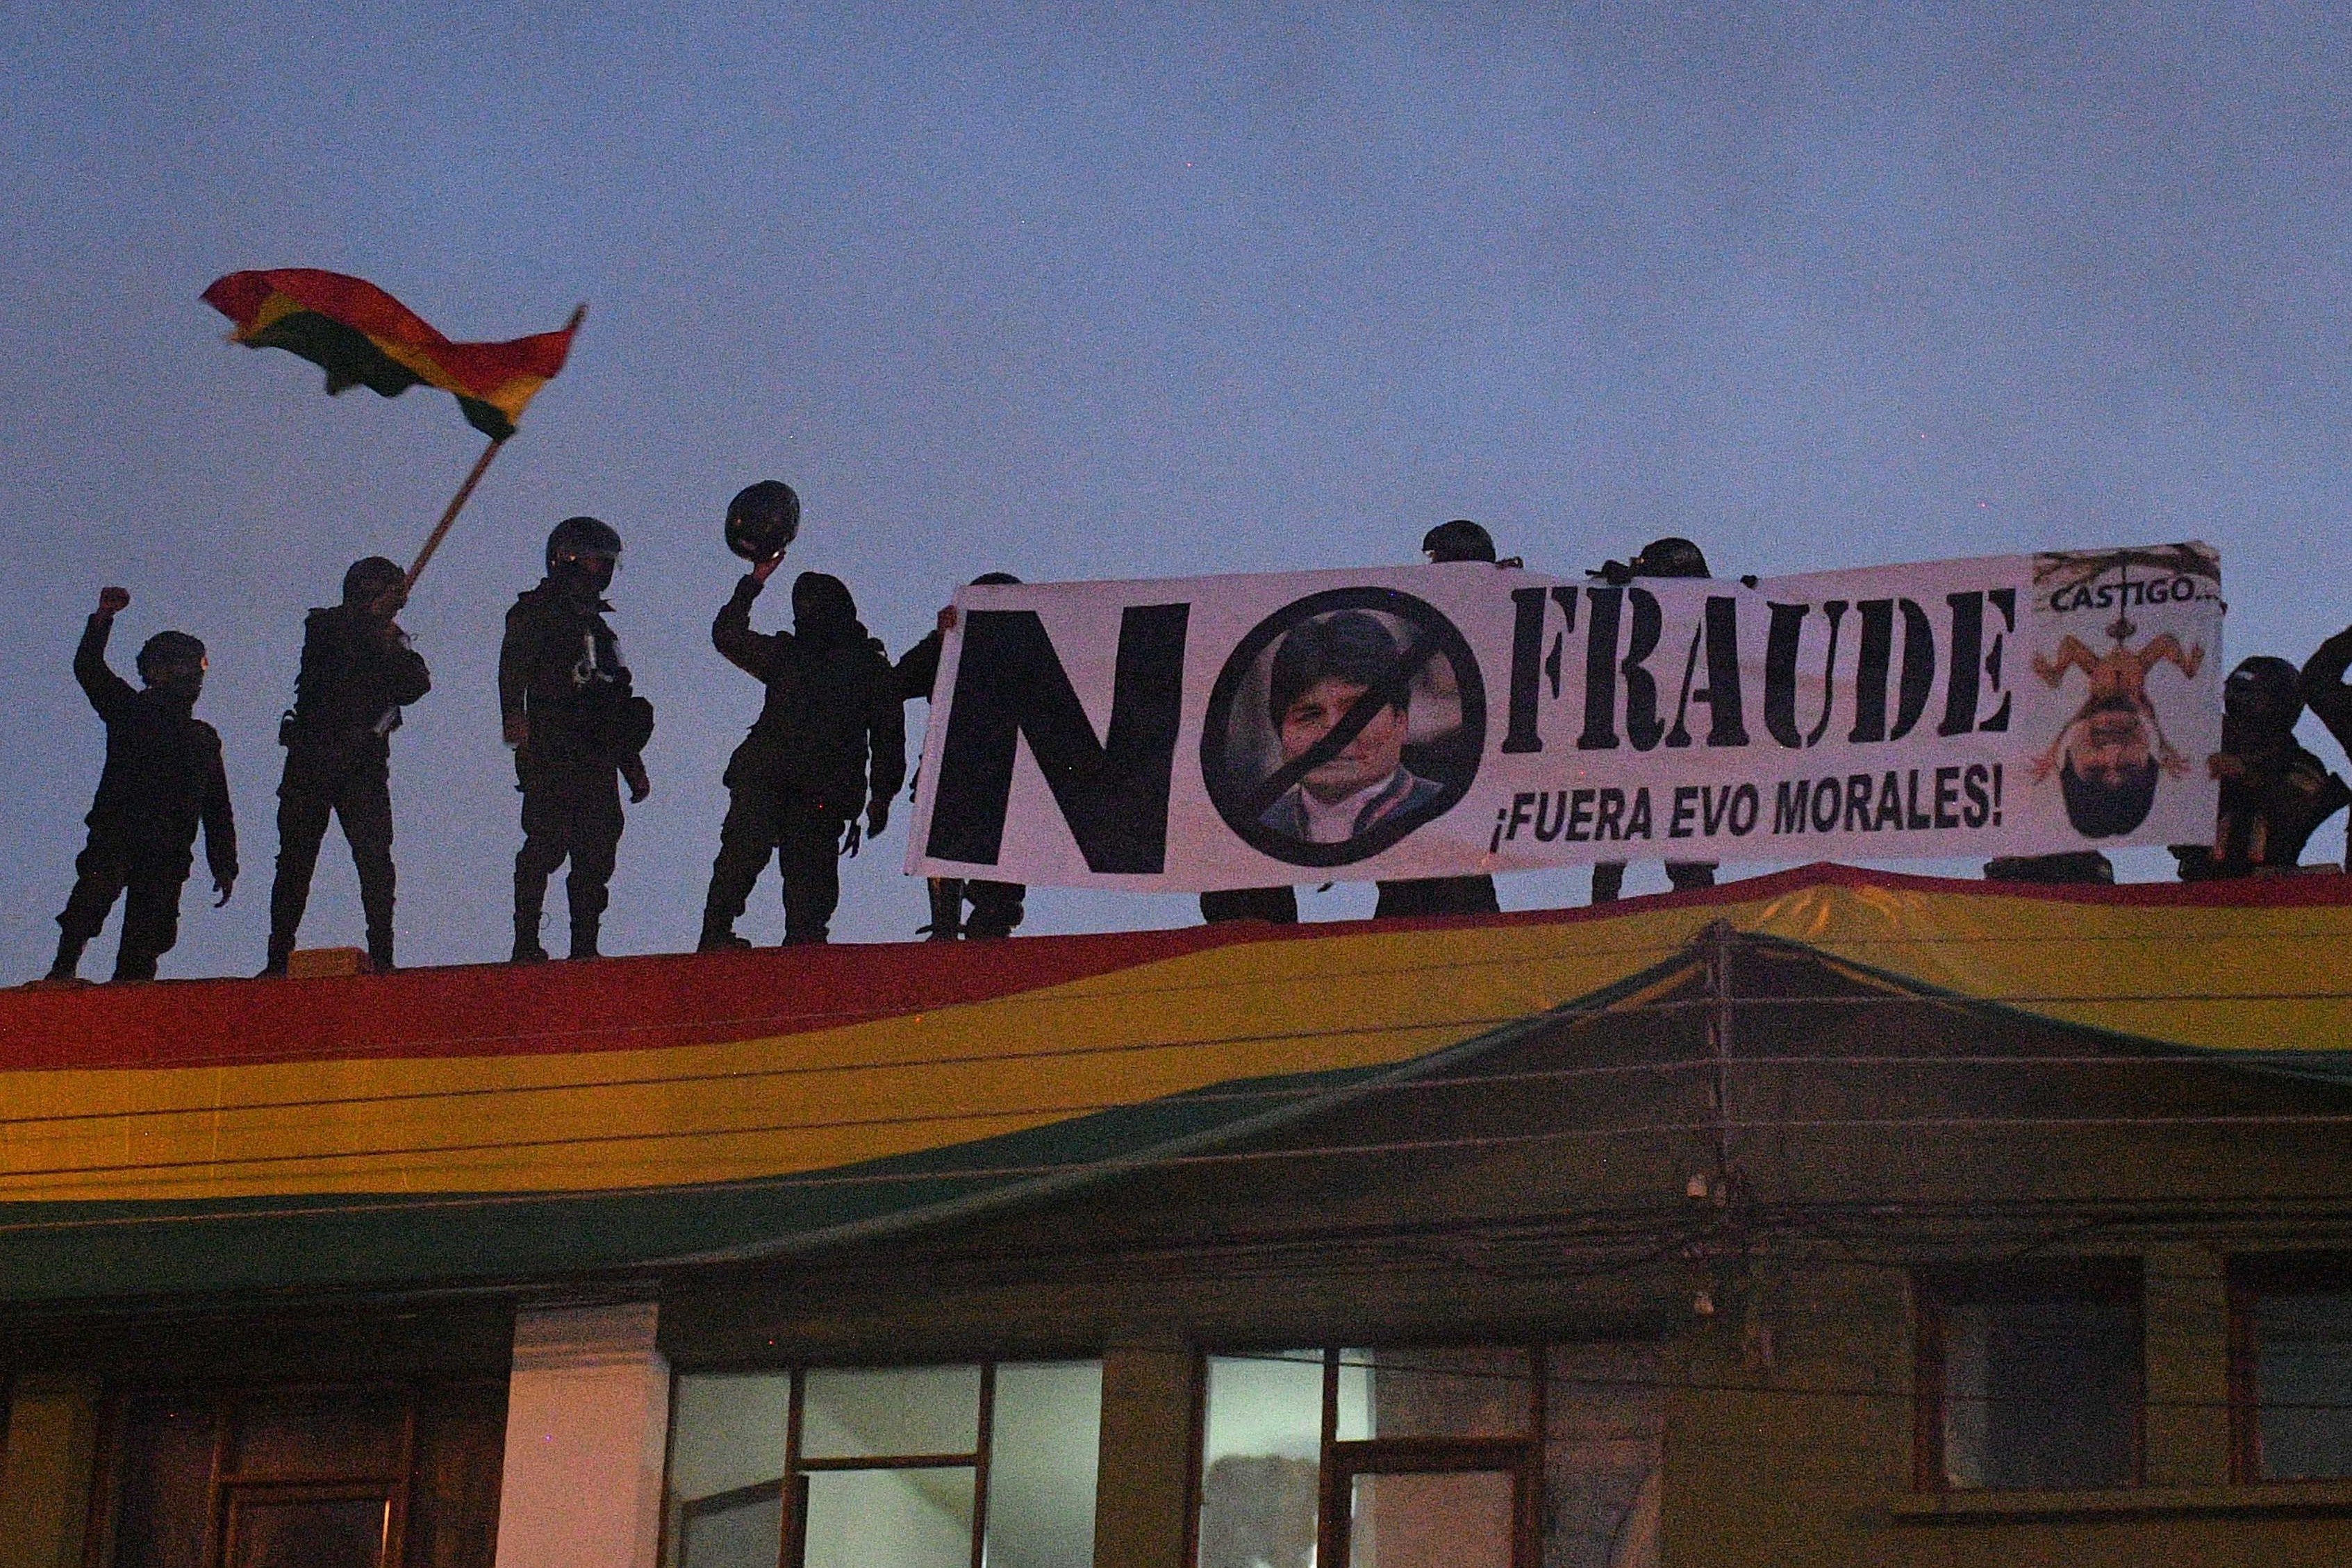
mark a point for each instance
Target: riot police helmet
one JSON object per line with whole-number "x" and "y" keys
{"x": 370, "y": 579}
{"x": 1669, "y": 557}
{"x": 1460, "y": 539}
{"x": 171, "y": 657}
{"x": 2266, "y": 691}
{"x": 996, "y": 580}
{"x": 763, "y": 520}
{"x": 585, "y": 547}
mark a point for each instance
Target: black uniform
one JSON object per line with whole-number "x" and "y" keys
{"x": 2325, "y": 693}
{"x": 1277, "y": 904}
{"x": 2274, "y": 794}
{"x": 1659, "y": 557}
{"x": 162, "y": 778}
{"x": 830, "y": 742}
{"x": 996, "y": 906}
{"x": 358, "y": 673}
{"x": 560, "y": 671}
{"x": 1457, "y": 541}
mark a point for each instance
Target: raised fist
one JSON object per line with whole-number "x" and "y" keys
{"x": 114, "y": 601}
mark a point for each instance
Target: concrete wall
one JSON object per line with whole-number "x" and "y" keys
{"x": 1807, "y": 1460}
{"x": 587, "y": 1425}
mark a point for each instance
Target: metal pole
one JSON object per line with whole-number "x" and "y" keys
{"x": 1718, "y": 938}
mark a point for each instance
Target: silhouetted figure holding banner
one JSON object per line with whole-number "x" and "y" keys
{"x": 162, "y": 778}
{"x": 996, "y": 908}
{"x": 2274, "y": 794}
{"x": 1458, "y": 540}
{"x": 358, "y": 672}
{"x": 577, "y": 730}
{"x": 1668, "y": 557}
{"x": 2324, "y": 688}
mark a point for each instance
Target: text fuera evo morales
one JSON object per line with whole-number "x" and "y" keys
{"x": 1233, "y": 731}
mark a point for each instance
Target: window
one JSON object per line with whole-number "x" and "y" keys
{"x": 392, "y": 1476}
{"x": 1401, "y": 1459}
{"x": 2030, "y": 1379}
{"x": 2291, "y": 1368}
{"x": 935, "y": 1467}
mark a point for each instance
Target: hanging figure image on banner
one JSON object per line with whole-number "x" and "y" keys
{"x": 1341, "y": 724}
{"x": 2110, "y": 754}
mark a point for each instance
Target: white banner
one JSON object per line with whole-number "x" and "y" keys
{"x": 1228, "y": 732}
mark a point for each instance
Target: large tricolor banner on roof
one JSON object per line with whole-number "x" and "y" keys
{"x": 1232, "y": 732}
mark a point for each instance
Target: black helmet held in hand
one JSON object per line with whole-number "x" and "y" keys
{"x": 763, "y": 520}
{"x": 1460, "y": 539}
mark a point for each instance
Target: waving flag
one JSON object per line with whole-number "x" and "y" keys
{"x": 361, "y": 336}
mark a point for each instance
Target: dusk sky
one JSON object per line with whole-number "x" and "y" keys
{"x": 1085, "y": 292}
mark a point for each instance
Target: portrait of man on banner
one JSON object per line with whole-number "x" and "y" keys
{"x": 1338, "y": 728}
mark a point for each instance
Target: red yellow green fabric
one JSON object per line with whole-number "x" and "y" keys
{"x": 361, "y": 336}
{"x": 708, "y": 1102}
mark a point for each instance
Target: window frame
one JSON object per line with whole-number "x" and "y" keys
{"x": 792, "y": 1488}
{"x": 2248, "y": 1278}
{"x": 229, "y": 1480}
{"x": 792, "y": 1548}
{"x": 1338, "y": 1461}
{"x": 1935, "y": 1292}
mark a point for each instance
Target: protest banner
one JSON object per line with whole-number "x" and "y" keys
{"x": 1228, "y": 732}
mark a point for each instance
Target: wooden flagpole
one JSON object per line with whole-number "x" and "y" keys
{"x": 457, "y": 503}
{"x": 482, "y": 465}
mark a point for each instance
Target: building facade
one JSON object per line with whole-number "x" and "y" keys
{"x": 1829, "y": 1218}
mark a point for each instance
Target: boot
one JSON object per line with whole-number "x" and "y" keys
{"x": 719, "y": 939}
{"x": 530, "y": 894}
{"x": 68, "y": 966}
{"x": 587, "y": 905}
{"x": 947, "y": 909}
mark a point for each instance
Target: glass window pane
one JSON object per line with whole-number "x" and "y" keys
{"x": 889, "y": 1519}
{"x": 2303, "y": 1376}
{"x": 744, "y": 1529}
{"x": 1477, "y": 1392}
{"x": 1044, "y": 1441}
{"x": 857, "y": 1414}
{"x": 728, "y": 1433}
{"x": 2039, "y": 1394}
{"x": 1459, "y": 1520}
{"x": 1261, "y": 1442}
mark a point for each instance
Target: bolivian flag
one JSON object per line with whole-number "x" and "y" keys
{"x": 361, "y": 336}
